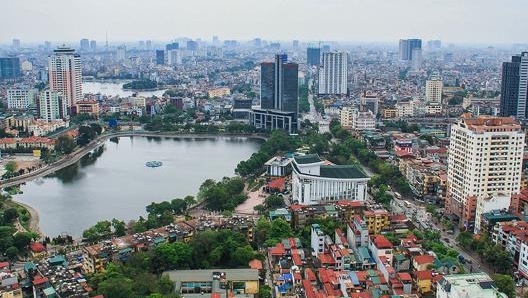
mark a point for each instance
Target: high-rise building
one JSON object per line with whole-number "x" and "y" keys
{"x": 407, "y": 46}
{"x": 9, "y": 68}
{"x": 21, "y": 99}
{"x": 174, "y": 57}
{"x": 16, "y": 44}
{"x": 295, "y": 44}
{"x": 85, "y": 44}
{"x": 52, "y": 106}
{"x": 433, "y": 89}
{"x": 148, "y": 44}
{"x": 93, "y": 45}
{"x": 514, "y": 87}
{"x": 484, "y": 166}
{"x": 160, "y": 57}
{"x": 192, "y": 45}
{"x": 416, "y": 59}
{"x": 172, "y": 46}
{"x": 65, "y": 74}
{"x": 279, "y": 93}
{"x": 121, "y": 54}
{"x": 47, "y": 45}
{"x": 313, "y": 56}
{"x": 333, "y": 73}
{"x": 434, "y": 44}
{"x": 141, "y": 45}
{"x": 216, "y": 41}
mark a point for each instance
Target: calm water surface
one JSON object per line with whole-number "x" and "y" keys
{"x": 113, "y": 89}
{"x": 114, "y": 182}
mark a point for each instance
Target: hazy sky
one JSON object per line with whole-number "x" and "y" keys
{"x": 466, "y": 21}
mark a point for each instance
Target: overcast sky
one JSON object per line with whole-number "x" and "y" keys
{"x": 456, "y": 21}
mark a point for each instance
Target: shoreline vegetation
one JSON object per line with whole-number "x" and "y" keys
{"x": 77, "y": 155}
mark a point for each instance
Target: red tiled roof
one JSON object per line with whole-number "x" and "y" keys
{"x": 40, "y": 280}
{"x": 296, "y": 259}
{"x": 424, "y": 259}
{"x": 308, "y": 289}
{"x": 425, "y": 274}
{"x": 36, "y": 247}
{"x": 255, "y": 264}
{"x": 310, "y": 275}
{"x": 4, "y": 265}
{"x": 361, "y": 295}
{"x": 216, "y": 295}
{"x": 380, "y": 241}
{"x": 7, "y": 141}
{"x": 277, "y": 183}
{"x": 278, "y": 250}
{"x": 404, "y": 276}
{"x": 326, "y": 259}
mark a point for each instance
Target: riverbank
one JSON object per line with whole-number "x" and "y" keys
{"x": 33, "y": 218}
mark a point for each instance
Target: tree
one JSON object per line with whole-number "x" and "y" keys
{"x": 10, "y": 166}
{"x": 264, "y": 292}
{"x": 86, "y": 135}
{"x": 10, "y": 214}
{"x": 116, "y": 287}
{"x": 505, "y": 284}
{"x": 65, "y": 144}
{"x": 21, "y": 240}
{"x": 274, "y": 201}
{"x": 119, "y": 227}
{"x": 262, "y": 229}
{"x": 12, "y": 253}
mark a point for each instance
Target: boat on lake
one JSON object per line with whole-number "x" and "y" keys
{"x": 154, "y": 164}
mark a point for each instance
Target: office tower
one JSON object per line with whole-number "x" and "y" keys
{"x": 65, "y": 74}
{"x": 514, "y": 87}
{"x": 279, "y": 104}
{"x": 433, "y": 89}
{"x": 141, "y": 45}
{"x": 230, "y": 44}
{"x": 172, "y": 46}
{"x": 313, "y": 56}
{"x": 85, "y": 44}
{"x": 148, "y": 45}
{"x": 47, "y": 45}
{"x": 174, "y": 57}
{"x": 257, "y": 42}
{"x": 275, "y": 46}
{"x": 216, "y": 41}
{"x": 333, "y": 73}
{"x": 16, "y": 44}
{"x": 325, "y": 48}
{"x": 295, "y": 44}
{"x": 21, "y": 98}
{"x": 121, "y": 53}
{"x": 192, "y": 45}
{"x": 52, "y": 106}
{"x": 484, "y": 166}
{"x": 9, "y": 69}
{"x": 416, "y": 59}
{"x": 160, "y": 57}
{"x": 93, "y": 45}
{"x": 407, "y": 46}
{"x": 434, "y": 44}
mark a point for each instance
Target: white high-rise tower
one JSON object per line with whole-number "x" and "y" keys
{"x": 333, "y": 73}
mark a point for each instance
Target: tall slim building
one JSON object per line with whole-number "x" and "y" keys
{"x": 172, "y": 46}
{"x": 407, "y": 46}
{"x": 514, "y": 87}
{"x": 433, "y": 89}
{"x": 313, "y": 56}
{"x": 160, "y": 57}
{"x": 9, "y": 68}
{"x": 65, "y": 74}
{"x": 16, "y": 44}
{"x": 85, "y": 44}
{"x": 484, "y": 166}
{"x": 279, "y": 96}
{"x": 148, "y": 44}
{"x": 93, "y": 45}
{"x": 333, "y": 73}
{"x": 121, "y": 54}
{"x": 52, "y": 106}
{"x": 192, "y": 45}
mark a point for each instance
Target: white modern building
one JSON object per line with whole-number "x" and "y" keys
{"x": 490, "y": 204}
{"x": 21, "y": 99}
{"x": 314, "y": 182}
{"x": 485, "y": 160}
{"x": 468, "y": 285}
{"x": 364, "y": 121}
{"x": 416, "y": 59}
{"x": 333, "y": 73}
{"x": 278, "y": 166}
{"x": 174, "y": 57}
{"x": 52, "y": 106}
{"x": 65, "y": 74}
{"x": 317, "y": 238}
{"x": 121, "y": 53}
{"x": 433, "y": 89}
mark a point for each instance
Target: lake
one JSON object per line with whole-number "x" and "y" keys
{"x": 113, "y": 89}
{"x": 113, "y": 182}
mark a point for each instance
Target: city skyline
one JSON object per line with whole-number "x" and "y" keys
{"x": 312, "y": 20}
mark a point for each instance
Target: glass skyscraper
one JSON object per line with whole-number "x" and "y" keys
{"x": 514, "y": 87}
{"x": 9, "y": 68}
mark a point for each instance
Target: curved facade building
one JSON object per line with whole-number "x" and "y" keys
{"x": 314, "y": 182}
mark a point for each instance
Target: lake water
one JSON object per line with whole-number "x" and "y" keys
{"x": 115, "y": 183}
{"x": 113, "y": 89}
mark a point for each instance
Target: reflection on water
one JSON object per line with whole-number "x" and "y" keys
{"x": 113, "y": 180}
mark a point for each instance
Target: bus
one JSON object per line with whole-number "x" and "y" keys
{"x": 407, "y": 204}
{"x": 397, "y": 195}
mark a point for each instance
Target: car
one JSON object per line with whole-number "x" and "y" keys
{"x": 446, "y": 239}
